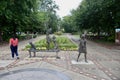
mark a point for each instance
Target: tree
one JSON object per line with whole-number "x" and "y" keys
{"x": 68, "y": 24}
{"x": 50, "y": 7}
{"x": 26, "y": 15}
{"x": 15, "y": 14}
{"x": 98, "y": 16}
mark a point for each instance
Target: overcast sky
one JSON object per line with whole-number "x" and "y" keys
{"x": 65, "y": 6}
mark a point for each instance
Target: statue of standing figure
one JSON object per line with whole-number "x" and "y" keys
{"x": 82, "y": 48}
{"x": 55, "y": 43}
{"x": 48, "y": 39}
{"x": 56, "y": 48}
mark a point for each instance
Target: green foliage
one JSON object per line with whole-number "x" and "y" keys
{"x": 49, "y": 7}
{"x": 97, "y": 16}
{"x": 26, "y": 36}
{"x": 58, "y": 33}
{"x": 27, "y": 15}
{"x": 68, "y": 24}
{"x": 111, "y": 38}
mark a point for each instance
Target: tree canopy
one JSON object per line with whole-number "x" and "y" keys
{"x": 26, "y": 15}
{"x": 96, "y": 16}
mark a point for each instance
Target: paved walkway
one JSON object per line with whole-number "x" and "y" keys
{"x": 103, "y": 64}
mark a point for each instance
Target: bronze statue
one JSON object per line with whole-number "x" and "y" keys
{"x": 32, "y": 49}
{"x": 56, "y": 48}
{"x": 48, "y": 39}
{"x": 55, "y": 43}
{"x": 82, "y": 48}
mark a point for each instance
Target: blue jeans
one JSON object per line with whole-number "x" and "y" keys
{"x": 14, "y": 50}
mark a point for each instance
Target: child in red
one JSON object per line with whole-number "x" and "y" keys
{"x": 13, "y": 42}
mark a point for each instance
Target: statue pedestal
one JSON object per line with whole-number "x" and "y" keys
{"x": 82, "y": 62}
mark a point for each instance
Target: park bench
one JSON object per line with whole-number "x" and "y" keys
{"x": 34, "y": 50}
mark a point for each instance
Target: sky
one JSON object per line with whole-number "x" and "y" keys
{"x": 65, "y": 6}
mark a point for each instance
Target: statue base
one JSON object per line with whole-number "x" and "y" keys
{"x": 82, "y": 62}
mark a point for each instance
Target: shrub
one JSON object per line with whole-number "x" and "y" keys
{"x": 58, "y": 33}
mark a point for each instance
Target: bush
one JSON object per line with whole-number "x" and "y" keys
{"x": 111, "y": 38}
{"x": 34, "y": 36}
{"x": 22, "y": 37}
{"x": 26, "y": 36}
{"x": 58, "y": 33}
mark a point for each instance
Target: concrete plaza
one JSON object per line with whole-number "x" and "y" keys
{"x": 103, "y": 64}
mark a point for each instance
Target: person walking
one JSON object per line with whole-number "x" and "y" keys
{"x": 13, "y": 43}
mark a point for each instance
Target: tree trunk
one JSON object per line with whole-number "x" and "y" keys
{"x": 98, "y": 32}
{"x": 14, "y": 29}
{"x": 1, "y": 36}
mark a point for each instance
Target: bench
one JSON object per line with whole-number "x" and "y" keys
{"x": 34, "y": 50}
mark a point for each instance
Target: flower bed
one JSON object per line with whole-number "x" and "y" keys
{"x": 63, "y": 42}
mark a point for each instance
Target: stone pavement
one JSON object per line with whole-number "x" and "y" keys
{"x": 103, "y": 64}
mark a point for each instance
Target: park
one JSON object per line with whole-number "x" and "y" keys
{"x": 84, "y": 45}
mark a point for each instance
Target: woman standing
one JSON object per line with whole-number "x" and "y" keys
{"x": 13, "y": 42}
